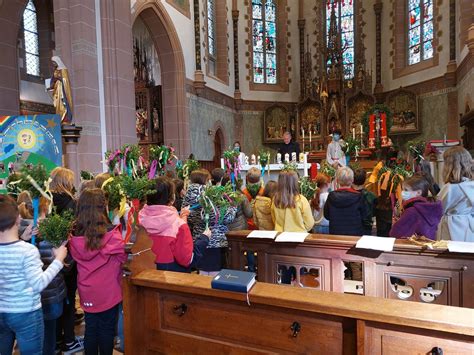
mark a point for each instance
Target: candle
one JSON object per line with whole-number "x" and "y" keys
{"x": 293, "y": 157}
{"x": 287, "y": 157}
{"x": 353, "y": 133}
{"x": 301, "y": 157}
{"x": 278, "y": 158}
{"x": 361, "y": 130}
{"x": 309, "y": 139}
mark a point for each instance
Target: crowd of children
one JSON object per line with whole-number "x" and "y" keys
{"x": 38, "y": 283}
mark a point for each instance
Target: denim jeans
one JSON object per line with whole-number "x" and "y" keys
{"x": 27, "y": 328}
{"x": 100, "y": 332}
{"x": 321, "y": 229}
{"x": 120, "y": 328}
{"x": 51, "y": 312}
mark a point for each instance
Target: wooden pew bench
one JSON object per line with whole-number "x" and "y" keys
{"x": 409, "y": 272}
{"x": 173, "y": 313}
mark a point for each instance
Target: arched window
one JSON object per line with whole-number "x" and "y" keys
{"x": 264, "y": 41}
{"x": 420, "y": 30}
{"x": 211, "y": 29}
{"x": 344, "y": 11}
{"x": 30, "y": 32}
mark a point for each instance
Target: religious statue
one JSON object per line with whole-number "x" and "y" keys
{"x": 141, "y": 124}
{"x": 60, "y": 85}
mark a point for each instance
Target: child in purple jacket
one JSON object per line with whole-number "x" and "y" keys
{"x": 420, "y": 216}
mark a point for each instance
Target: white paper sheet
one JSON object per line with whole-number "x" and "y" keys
{"x": 460, "y": 247}
{"x": 291, "y": 237}
{"x": 375, "y": 243}
{"x": 263, "y": 234}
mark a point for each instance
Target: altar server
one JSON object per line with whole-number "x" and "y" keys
{"x": 334, "y": 155}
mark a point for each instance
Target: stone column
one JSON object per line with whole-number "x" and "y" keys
{"x": 235, "y": 29}
{"x": 71, "y": 136}
{"x": 10, "y": 19}
{"x": 199, "y": 82}
{"x": 76, "y": 36}
{"x": 301, "y": 27}
{"x": 378, "y": 46}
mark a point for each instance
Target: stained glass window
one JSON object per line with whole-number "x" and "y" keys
{"x": 344, "y": 11}
{"x": 420, "y": 30}
{"x": 30, "y": 31}
{"x": 264, "y": 41}
{"x": 211, "y": 27}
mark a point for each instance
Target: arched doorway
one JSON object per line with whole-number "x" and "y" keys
{"x": 218, "y": 146}
{"x": 170, "y": 54}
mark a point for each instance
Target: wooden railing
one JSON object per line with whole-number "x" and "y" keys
{"x": 409, "y": 272}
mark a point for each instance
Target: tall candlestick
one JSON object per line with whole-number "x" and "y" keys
{"x": 361, "y": 130}
{"x": 310, "y": 139}
{"x": 353, "y": 133}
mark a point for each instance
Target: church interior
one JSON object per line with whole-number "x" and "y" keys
{"x": 237, "y": 176}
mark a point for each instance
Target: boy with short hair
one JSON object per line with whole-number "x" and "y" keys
{"x": 21, "y": 281}
{"x": 253, "y": 188}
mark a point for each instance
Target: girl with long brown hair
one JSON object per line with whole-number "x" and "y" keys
{"x": 457, "y": 196}
{"x": 98, "y": 249}
{"x": 291, "y": 210}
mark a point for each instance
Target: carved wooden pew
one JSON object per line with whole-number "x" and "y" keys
{"x": 409, "y": 272}
{"x": 173, "y": 313}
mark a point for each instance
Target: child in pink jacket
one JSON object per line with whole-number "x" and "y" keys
{"x": 99, "y": 251}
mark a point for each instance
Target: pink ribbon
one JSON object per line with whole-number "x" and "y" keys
{"x": 152, "y": 173}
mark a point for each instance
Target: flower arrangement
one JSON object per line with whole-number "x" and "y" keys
{"x": 307, "y": 187}
{"x": 13, "y": 184}
{"x": 217, "y": 200}
{"x": 136, "y": 188}
{"x": 115, "y": 195}
{"x": 327, "y": 169}
{"x": 290, "y": 166}
{"x": 113, "y": 160}
{"x": 86, "y": 175}
{"x": 264, "y": 158}
{"x": 183, "y": 171}
{"x": 160, "y": 156}
{"x": 397, "y": 172}
{"x": 56, "y": 228}
{"x": 33, "y": 180}
{"x": 351, "y": 146}
{"x": 232, "y": 165}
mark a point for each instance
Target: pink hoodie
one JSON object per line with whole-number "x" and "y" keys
{"x": 99, "y": 271}
{"x": 172, "y": 239}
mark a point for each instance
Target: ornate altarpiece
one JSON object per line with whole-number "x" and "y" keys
{"x": 404, "y": 105}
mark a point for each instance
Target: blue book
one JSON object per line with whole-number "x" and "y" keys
{"x": 233, "y": 280}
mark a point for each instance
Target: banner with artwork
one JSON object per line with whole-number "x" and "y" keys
{"x": 29, "y": 140}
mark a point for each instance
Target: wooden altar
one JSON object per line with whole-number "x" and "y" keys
{"x": 174, "y": 313}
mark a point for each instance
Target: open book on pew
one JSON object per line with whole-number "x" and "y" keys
{"x": 262, "y": 234}
{"x": 234, "y": 280}
{"x": 375, "y": 243}
{"x": 291, "y": 237}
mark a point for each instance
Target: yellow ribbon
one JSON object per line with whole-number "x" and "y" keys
{"x": 375, "y": 172}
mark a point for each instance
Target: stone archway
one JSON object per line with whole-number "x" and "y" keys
{"x": 170, "y": 54}
{"x": 10, "y": 20}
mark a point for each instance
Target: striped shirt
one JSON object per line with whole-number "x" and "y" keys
{"x": 22, "y": 277}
